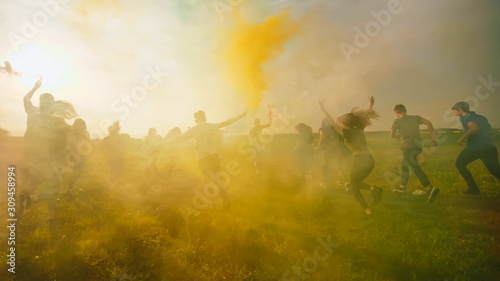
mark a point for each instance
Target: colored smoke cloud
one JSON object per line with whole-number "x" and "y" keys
{"x": 249, "y": 47}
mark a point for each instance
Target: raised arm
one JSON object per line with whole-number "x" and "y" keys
{"x": 232, "y": 120}
{"x": 321, "y": 141}
{"x": 473, "y": 129}
{"x": 431, "y": 131}
{"x": 29, "y": 95}
{"x": 334, "y": 124}
{"x": 270, "y": 120}
{"x": 371, "y": 101}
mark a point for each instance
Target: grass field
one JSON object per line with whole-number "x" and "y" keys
{"x": 145, "y": 225}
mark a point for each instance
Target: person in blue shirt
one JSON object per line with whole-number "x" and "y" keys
{"x": 477, "y": 135}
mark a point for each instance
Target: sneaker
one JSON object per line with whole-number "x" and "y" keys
{"x": 347, "y": 187}
{"x": 401, "y": 189}
{"x": 434, "y": 193}
{"x": 421, "y": 192}
{"x": 377, "y": 194}
{"x": 429, "y": 190}
{"x": 470, "y": 191}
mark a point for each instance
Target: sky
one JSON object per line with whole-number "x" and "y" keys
{"x": 153, "y": 63}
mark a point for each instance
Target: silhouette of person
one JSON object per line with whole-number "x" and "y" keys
{"x": 253, "y": 139}
{"x": 45, "y": 139}
{"x": 408, "y": 127}
{"x": 352, "y": 127}
{"x": 77, "y": 136}
{"x": 479, "y": 145}
{"x": 150, "y": 142}
{"x": 304, "y": 150}
{"x": 207, "y": 139}
{"x": 114, "y": 148}
{"x": 331, "y": 143}
{"x": 168, "y": 155}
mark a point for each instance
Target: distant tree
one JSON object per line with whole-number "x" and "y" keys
{"x": 4, "y": 133}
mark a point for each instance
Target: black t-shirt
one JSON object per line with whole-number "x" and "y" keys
{"x": 409, "y": 129}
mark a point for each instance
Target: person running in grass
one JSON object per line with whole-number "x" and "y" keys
{"x": 304, "y": 150}
{"x": 477, "y": 135}
{"x": 207, "y": 141}
{"x": 409, "y": 133}
{"x": 332, "y": 145}
{"x": 253, "y": 139}
{"x": 77, "y": 136}
{"x": 45, "y": 139}
{"x": 352, "y": 127}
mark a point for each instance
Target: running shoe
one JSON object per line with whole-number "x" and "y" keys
{"x": 434, "y": 193}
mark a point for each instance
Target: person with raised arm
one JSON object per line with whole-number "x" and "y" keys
{"x": 44, "y": 142}
{"x": 207, "y": 138}
{"x": 335, "y": 154}
{"x": 352, "y": 126}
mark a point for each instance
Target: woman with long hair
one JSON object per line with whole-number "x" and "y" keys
{"x": 45, "y": 140}
{"x": 352, "y": 126}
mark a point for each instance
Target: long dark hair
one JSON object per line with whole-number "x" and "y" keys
{"x": 358, "y": 118}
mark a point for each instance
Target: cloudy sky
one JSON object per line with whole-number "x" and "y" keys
{"x": 153, "y": 63}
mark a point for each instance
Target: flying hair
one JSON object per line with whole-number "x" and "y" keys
{"x": 358, "y": 118}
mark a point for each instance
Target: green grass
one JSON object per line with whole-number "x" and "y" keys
{"x": 136, "y": 229}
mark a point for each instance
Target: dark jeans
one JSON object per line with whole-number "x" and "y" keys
{"x": 410, "y": 161}
{"x": 489, "y": 157}
{"x": 362, "y": 166}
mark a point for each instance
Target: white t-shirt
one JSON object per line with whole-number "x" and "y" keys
{"x": 206, "y": 138}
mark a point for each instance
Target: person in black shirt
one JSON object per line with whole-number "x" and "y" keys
{"x": 408, "y": 127}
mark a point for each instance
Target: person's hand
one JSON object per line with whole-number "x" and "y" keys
{"x": 434, "y": 143}
{"x": 371, "y": 101}
{"x": 38, "y": 83}
{"x": 461, "y": 142}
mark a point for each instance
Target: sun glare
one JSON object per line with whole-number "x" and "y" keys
{"x": 35, "y": 61}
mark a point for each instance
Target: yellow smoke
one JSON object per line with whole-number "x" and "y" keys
{"x": 249, "y": 47}
{"x": 94, "y": 13}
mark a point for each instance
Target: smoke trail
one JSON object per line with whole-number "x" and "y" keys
{"x": 8, "y": 68}
{"x": 249, "y": 47}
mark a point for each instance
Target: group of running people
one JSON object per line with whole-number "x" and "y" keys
{"x": 48, "y": 132}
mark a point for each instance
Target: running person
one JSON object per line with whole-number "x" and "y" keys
{"x": 77, "y": 136}
{"x": 352, "y": 127}
{"x": 304, "y": 150}
{"x": 207, "y": 137}
{"x": 409, "y": 132}
{"x": 477, "y": 134}
{"x": 253, "y": 139}
{"x": 45, "y": 139}
{"x": 334, "y": 153}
